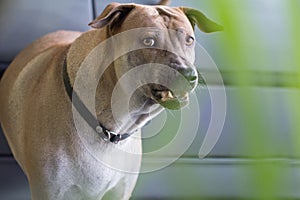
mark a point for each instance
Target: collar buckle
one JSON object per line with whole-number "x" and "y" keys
{"x": 112, "y": 137}
{"x": 107, "y": 134}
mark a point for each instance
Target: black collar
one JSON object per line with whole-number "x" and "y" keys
{"x": 103, "y": 132}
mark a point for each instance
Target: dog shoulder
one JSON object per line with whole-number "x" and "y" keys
{"x": 48, "y": 45}
{"x": 46, "y": 42}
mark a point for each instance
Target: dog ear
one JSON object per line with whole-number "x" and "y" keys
{"x": 114, "y": 13}
{"x": 203, "y": 23}
{"x": 164, "y": 2}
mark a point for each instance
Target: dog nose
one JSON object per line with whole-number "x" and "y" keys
{"x": 186, "y": 71}
{"x": 189, "y": 74}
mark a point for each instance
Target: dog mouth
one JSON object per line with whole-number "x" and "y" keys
{"x": 169, "y": 99}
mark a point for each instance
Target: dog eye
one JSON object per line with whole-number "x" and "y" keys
{"x": 149, "y": 42}
{"x": 189, "y": 40}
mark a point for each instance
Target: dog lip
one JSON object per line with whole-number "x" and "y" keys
{"x": 174, "y": 103}
{"x": 164, "y": 95}
{"x": 160, "y": 93}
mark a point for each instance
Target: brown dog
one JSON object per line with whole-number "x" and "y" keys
{"x": 37, "y": 93}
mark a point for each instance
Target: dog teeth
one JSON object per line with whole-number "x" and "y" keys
{"x": 166, "y": 95}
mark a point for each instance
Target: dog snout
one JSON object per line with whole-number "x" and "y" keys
{"x": 189, "y": 74}
{"x": 186, "y": 71}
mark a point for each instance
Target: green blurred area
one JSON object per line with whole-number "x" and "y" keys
{"x": 263, "y": 44}
{"x": 259, "y": 51}
{"x": 262, "y": 36}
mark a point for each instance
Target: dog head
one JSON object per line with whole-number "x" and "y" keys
{"x": 164, "y": 36}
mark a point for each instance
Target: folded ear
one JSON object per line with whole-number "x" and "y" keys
{"x": 198, "y": 18}
{"x": 164, "y": 2}
{"x": 113, "y": 14}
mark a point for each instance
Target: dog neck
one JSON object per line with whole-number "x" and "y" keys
{"x": 139, "y": 117}
{"x": 93, "y": 122}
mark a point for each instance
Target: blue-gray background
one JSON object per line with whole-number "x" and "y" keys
{"x": 225, "y": 172}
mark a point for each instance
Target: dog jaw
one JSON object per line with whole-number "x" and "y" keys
{"x": 169, "y": 100}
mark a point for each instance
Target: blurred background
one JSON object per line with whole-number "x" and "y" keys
{"x": 258, "y": 55}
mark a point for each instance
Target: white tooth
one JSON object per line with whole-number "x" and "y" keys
{"x": 170, "y": 95}
{"x": 166, "y": 95}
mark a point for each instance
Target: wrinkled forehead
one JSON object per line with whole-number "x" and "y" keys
{"x": 160, "y": 17}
